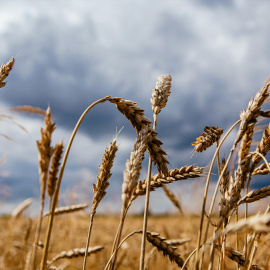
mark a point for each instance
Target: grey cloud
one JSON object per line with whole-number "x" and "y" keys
{"x": 69, "y": 58}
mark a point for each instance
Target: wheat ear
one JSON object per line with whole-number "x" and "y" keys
{"x": 255, "y": 195}
{"x": 45, "y": 153}
{"x": 262, "y": 169}
{"x": 160, "y": 243}
{"x": 5, "y": 70}
{"x": 136, "y": 117}
{"x": 239, "y": 258}
{"x": 131, "y": 176}
{"x": 67, "y": 209}
{"x": 77, "y": 252}
{"x": 55, "y": 164}
{"x": 262, "y": 148}
{"x": 208, "y": 138}
{"x": 159, "y": 100}
{"x": 173, "y": 199}
{"x": 104, "y": 174}
{"x": 159, "y": 180}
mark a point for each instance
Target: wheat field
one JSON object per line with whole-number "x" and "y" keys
{"x": 65, "y": 237}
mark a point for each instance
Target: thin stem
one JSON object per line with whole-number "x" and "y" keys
{"x": 55, "y": 198}
{"x": 246, "y": 215}
{"x": 118, "y": 238}
{"x": 147, "y": 198}
{"x": 33, "y": 255}
{"x": 237, "y": 234}
{"x": 108, "y": 263}
{"x": 88, "y": 239}
{"x": 218, "y": 160}
{"x": 146, "y": 207}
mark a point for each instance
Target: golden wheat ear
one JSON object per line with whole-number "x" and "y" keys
{"x": 5, "y": 70}
{"x": 55, "y": 164}
{"x": 208, "y": 138}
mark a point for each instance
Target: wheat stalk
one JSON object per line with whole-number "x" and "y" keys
{"x": 104, "y": 174}
{"x": 159, "y": 99}
{"x": 50, "y": 223}
{"x": 131, "y": 176}
{"x": 45, "y": 153}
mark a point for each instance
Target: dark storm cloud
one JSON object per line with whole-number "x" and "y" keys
{"x": 69, "y": 57}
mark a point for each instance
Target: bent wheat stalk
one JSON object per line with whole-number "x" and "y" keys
{"x": 56, "y": 193}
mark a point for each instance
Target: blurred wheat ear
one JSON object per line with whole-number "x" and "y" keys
{"x": 5, "y": 70}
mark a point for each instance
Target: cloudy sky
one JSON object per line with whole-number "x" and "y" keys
{"x": 69, "y": 54}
